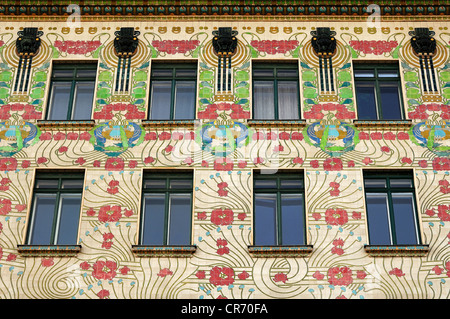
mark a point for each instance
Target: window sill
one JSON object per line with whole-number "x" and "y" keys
{"x": 281, "y": 251}
{"x": 169, "y": 123}
{"x": 396, "y": 251}
{"x": 277, "y": 123}
{"x": 163, "y": 251}
{"x": 65, "y": 125}
{"x": 49, "y": 250}
{"x": 389, "y": 124}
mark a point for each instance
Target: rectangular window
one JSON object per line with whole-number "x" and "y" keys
{"x": 72, "y": 91}
{"x": 56, "y": 209}
{"x": 279, "y": 209}
{"x": 391, "y": 209}
{"x": 173, "y": 91}
{"x": 378, "y": 91}
{"x": 276, "y": 91}
{"x": 166, "y": 209}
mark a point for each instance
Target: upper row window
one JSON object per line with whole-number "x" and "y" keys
{"x": 276, "y": 91}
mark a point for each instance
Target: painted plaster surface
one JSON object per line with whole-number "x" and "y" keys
{"x": 222, "y": 216}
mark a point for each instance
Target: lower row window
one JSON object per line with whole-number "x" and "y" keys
{"x": 279, "y": 209}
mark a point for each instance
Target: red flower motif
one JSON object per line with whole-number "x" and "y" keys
{"x": 243, "y": 275}
{"x": 278, "y": 148}
{"x": 168, "y": 149}
{"x": 80, "y": 161}
{"x": 8, "y": 164}
{"x": 242, "y": 164}
{"x": 77, "y": 47}
{"x": 221, "y": 276}
{"x": 47, "y": 262}
{"x": 175, "y": 46}
{"x": 361, "y": 274}
{"x": 164, "y": 136}
{"x": 333, "y": 164}
{"x": 63, "y": 149}
{"x": 200, "y": 274}
{"x": 221, "y": 217}
{"x": 316, "y": 216}
{"x": 385, "y": 149}
{"x": 389, "y": 136}
{"x": 336, "y": 216}
{"x": 109, "y": 214}
{"x": 104, "y": 270}
{"x": 280, "y": 277}
{"x": 42, "y": 160}
{"x": 297, "y": 136}
{"x": 340, "y": 276}
{"x": 223, "y": 164}
{"x": 114, "y": 164}
{"x": 284, "y": 136}
{"x": 165, "y": 272}
{"x": 423, "y": 163}
{"x": 85, "y": 265}
{"x": 364, "y": 136}
{"x": 59, "y": 136}
{"x": 397, "y": 272}
{"x": 367, "y": 160}
{"x": 444, "y": 189}
{"x": 26, "y": 164}
{"x": 107, "y": 243}
{"x": 402, "y": 136}
{"x": 441, "y": 164}
{"x": 149, "y": 160}
{"x": 337, "y": 249}
{"x": 103, "y": 294}
{"x": 406, "y": 160}
{"x": 5, "y": 206}
{"x": 201, "y": 216}
{"x": 376, "y": 136}
{"x": 274, "y": 46}
{"x": 444, "y": 213}
{"x": 376, "y": 47}
{"x": 113, "y": 189}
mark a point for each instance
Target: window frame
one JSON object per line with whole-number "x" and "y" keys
{"x": 376, "y": 67}
{"x": 74, "y": 79}
{"x": 167, "y": 191}
{"x": 275, "y": 79}
{"x": 173, "y": 79}
{"x": 388, "y": 190}
{"x": 279, "y": 191}
{"x": 60, "y": 176}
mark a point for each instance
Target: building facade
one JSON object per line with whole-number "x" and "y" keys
{"x": 224, "y": 149}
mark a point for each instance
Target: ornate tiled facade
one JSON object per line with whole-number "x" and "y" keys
{"x": 222, "y": 260}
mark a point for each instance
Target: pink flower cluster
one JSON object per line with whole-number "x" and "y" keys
{"x": 131, "y": 110}
{"x": 341, "y": 111}
{"x": 237, "y": 112}
{"x": 390, "y": 136}
{"x": 77, "y": 47}
{"x": 274, "y": 46}
{"x": 420, "y": 112}
{"x": 29, "y": 111}
{"x": 373, "y": 47}
{"x": 441, "y": 164}
{"x": 175, "y": 46}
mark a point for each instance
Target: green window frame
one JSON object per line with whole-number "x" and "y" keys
{"x": 173, "y": 91}
{"x": 71, "y": 94}
{"x": 166, "y": 218}
{"x": 279, "y": 209}
{"x": 56, "y": 208}
{"x": 391, "y": 207}
{"x": 276, "y": 91}
{"x": 378, "y": 91}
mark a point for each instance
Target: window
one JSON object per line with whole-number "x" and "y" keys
{"x": 378, "y": 92}
{"x": 279, "y": 209}
{"x": 173, "y": 91}
{"x": 391, "y": 209}
{"x": 166, "y": 209}
{"x": 72, "y": 91}
{"x": 55, "y": 209}
{"x": 275, "y": 91}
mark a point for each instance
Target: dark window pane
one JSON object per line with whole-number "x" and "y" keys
{"x": 162, "y": 72}
{"x": 46, "y": 183}
{"x": 72, "y": 183}
{"x": 180, "y": 219}
{"x": 181, "y": 183}
{"x": 390, "y": 101}
{"x": 263, "y": 96}
{"x": 153, "y": 219}
{"x": 155, "y": 183}
{"x": 265, "y": 219}
{"x": 378, "y": 219}
{"x": 374, "y": 183}
{"x": 69, "y": 212}
{"x": 366, "y": 100}
{"x": 263, "y": 72}
{"x": 387, "y": 73}
{"x": 68, "y": 73}
{"x": 161, "y": 100}
{"x": 364, "y": 73}
{"x": 87, "y": 73}
{"x": 184, "y": 100}
{"x": 287, "y": 73}
{"x": 292, "y": 220}
{"x": 288, "y": 100}
{"x": 404, "y": 218}
{"x": 83, "y": 98}
{"x": 265, "y": 183}
{"x": 43, "y": 215}
{"x": 59, "y": 100}
{"x": 401, "y": 182}
{"x": 186, "y": 73}
{"x": 292, "y": 183}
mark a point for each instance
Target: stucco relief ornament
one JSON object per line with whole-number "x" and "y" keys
{"x": 222, "y": 136}
{"x": 116, "y": 136}
{"x": 15, "y": 134}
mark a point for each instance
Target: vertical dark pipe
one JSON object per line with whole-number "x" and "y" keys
{"x": 425, "y": 86}
{"x": 219, "y": 75}
{"x": 119, "y": 62}
{"x": 19, "y": 68}
{"x": 128, "y": 74}
{"x": 30, "y": 61}
{"x": 321, "y": 75}
{"x": 331, "y": 75}
{"x": 326, "y": 75}
{"x": 433, "y": 75}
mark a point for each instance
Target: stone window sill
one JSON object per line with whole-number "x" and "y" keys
{"x": 65, "y": 125}
{"x": 163, "y": 251}
{"x": 49, "y": 250}
{"x": 281, "y": 251}
{"x": 277, "y": 123}
{"x": 396, "y": 250}
{"x": 380, "y": 124}
{"x": 169, "y": 123}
